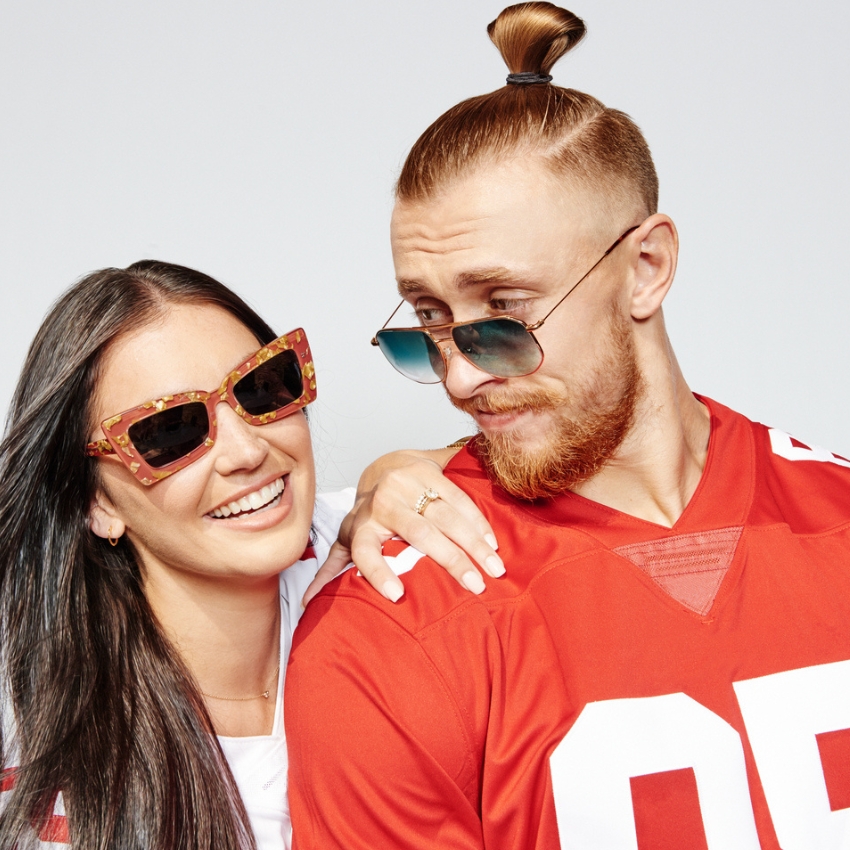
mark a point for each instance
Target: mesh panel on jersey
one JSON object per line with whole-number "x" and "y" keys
{"x": 688, "y": 567}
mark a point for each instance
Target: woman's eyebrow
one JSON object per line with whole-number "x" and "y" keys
{"x": 223, "y": 378}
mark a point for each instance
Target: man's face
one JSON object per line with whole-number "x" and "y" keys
{"x": 511, "y": 239}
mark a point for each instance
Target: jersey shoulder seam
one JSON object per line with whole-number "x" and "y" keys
{"x": 460, "y": 714}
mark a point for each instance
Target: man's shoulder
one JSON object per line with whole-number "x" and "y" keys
{"x": 795, "y": 481}
{"x": 431, "y": 595}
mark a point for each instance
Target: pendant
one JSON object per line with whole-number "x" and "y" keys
{"x": 265, "y": 694}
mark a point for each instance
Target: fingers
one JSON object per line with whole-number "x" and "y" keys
{"x": 366, "y": 551}
{"x": 444, "y": 534}
{"x": 338, "y": 559}
{"x": 450, "y": 530}
{"x": 434, "y": 534}
{"x": 477, "y": 524}
{"x": 428, "y": 539}
{"x": 455, "y": 516}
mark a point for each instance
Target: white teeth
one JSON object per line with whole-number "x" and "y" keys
{"x": 252, "y": 502}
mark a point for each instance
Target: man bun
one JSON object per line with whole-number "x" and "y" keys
{"x": 569, "y": 132}
{"x": 532, "y": 37}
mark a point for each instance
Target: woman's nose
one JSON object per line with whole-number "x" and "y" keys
{"x": 239, "y": 446}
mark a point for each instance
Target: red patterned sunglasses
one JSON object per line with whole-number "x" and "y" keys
{"x": 162, "y": 436}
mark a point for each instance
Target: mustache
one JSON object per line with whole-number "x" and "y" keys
{"x": 509, "y": 402}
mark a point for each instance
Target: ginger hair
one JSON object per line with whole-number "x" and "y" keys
{"x": 576, "y": 136}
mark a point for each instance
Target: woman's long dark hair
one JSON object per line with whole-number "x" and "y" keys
{"x": 104, "y": 709}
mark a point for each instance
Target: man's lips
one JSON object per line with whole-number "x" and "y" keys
{"x": 490, "y": 420}
{"x": 494, "y": 413}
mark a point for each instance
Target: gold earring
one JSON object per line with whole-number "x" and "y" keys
{"x": 109, "y": 537}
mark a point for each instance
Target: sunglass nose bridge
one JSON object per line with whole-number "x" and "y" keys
{"x": 443, "y": 344}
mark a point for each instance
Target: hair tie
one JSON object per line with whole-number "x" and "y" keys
{"x": 527, "y": 78}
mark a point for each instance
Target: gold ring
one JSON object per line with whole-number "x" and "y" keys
{"x": 425, "y": 499}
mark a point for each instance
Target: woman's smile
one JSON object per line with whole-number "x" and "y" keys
{"x": 252, "y": 501}
{"x": 260, "y": 508}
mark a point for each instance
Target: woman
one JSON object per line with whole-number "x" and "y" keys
{"x": 155, "y": 479}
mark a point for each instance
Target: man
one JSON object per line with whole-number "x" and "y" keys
{"x": 665, "y": 663}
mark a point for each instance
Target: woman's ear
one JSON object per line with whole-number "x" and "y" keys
{"x": 103, "y": 518}
{"x": 655, "y": 266}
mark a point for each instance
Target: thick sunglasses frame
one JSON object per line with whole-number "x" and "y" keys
{"x": 116, "y": 428}
{"x": 447, "y": 331}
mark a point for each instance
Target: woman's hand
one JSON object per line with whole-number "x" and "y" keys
{"x": 451, "y": 529}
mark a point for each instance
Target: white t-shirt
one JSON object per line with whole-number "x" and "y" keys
{"x": 258, "y": 763}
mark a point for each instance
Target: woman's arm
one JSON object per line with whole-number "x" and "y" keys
{"x": 451, "y": 529}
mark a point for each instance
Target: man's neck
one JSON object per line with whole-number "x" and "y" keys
{"x": 657, "y": 469}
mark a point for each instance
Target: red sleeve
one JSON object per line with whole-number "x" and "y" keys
{"x": 385, "y": 723}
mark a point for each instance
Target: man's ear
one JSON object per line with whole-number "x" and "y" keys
{"x": 655, "y": 266}
{"x": 103, "y": 518}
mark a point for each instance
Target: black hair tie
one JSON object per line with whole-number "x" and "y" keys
{"x": 527, "y": 78}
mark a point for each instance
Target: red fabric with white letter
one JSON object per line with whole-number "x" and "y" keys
{"x": 625, "y": 685}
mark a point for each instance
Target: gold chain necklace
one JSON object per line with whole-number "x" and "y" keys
{"x": 263, "y": 695}
{"x": 267, "y": 691}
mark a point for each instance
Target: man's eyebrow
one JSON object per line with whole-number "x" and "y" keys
{"x": 407, "y": 287}
{"x": 465, "y": 280}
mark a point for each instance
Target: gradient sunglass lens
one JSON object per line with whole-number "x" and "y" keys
{"x": 171, "y": 434}
{"x": 414, "y": 354}
{"x": 499, "y": 347}
{"x": 273, "y": 385}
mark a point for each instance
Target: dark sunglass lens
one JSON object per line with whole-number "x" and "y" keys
{"x": 171, "y": 434}
{"x": 499, "y": 347}
{"x": 271, "y": 386}
{"x": 414, "y": 354}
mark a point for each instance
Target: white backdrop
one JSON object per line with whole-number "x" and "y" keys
{"x": 259, "y": 141}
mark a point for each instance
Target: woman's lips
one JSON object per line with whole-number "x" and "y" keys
{"x": 257, "y": 519}
{"x": 252, "y": 502}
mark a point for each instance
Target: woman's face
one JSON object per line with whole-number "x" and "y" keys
{"x": 172, "y": 523}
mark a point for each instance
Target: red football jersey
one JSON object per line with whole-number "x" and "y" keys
{"x": 625, "y": 685}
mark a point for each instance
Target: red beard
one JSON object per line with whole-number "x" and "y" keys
{"x": 578, "y": 448}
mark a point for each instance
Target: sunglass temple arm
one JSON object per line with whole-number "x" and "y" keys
{"x": 375, "y": 338}
{"x": 536, "y": 325}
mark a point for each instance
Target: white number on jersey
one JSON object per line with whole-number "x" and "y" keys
{"x": 783, "y": 446}
{"x": 783, "y": 713}
{"x": 614, "y": 741}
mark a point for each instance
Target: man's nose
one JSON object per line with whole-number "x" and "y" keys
{"x": 462, "y": 377}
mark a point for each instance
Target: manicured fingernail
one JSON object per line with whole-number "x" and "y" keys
{"x": 491, "y": 542}
{"x": 393, "y": 590}
{"x": 495, "y": 566}
{"x": 472, "y": 581}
